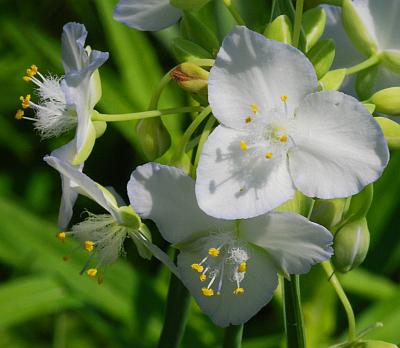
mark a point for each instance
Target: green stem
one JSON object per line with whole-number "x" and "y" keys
{"x": 293, "y": 315}
{"x": 234, "y": 12}
{"x": 160, "y": 88}
{"x": 176, "y": 314}
{"x": 188, "y": 134}
{"x": 233, "y": 336}
{"x": 144, "y": 114}
{"x": 327, "y": 266}
{"x": 297, "y": 22}
{"x": 371, "y": 61}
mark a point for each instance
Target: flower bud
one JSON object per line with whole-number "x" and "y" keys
{"x": 280, "y": 29}
{"x": 332, "y": 80}
{"x": 387, "y": 100}
{"x": 373, "y": 344}
{"x": 313, "y": 24}
{"x": 153, "y": 137}
{"x": 188, "y": 4}
{"x": 360, "y": 204}
{"x": 299, "y": 204}
{"x": 186, "y": 50}
{"x": 391, "y": 131}
{"x": 365, "y": 82}
{"x": 370, "y": 107}
{"x": 351, "y": 245}
{"x": 328, "y": 212}
{"x": 321, "y": 56}
{"x": 356, "y": 29}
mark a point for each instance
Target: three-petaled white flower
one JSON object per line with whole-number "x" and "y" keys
{"x": 230, "y": 267}
{"x": 146, "y": 15}
{"x": 68, "y": 102}
{"x": 277, "y": 134}
{"x": 102, "y": 235}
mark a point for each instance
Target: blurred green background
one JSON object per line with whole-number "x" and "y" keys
{"x": 44, "y": 302}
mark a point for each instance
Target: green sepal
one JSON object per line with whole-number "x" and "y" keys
{"x": 356, "y": 29}
{"x": 280, "y": 29}
{"x": 391, "y": 131}
{"x": 351, "y": 245}
{"x": 313, "y": 23}
{"x": 299, "y": 204}
{"x": 186, "y": 50}
{"x": 100, "y": 127}
{"x": 332, "y": 80}
{"x": 143, "y": 251}
{"x": 195, "y": 30}
{"x": 87, "y": 147}
{"x": 391, "y": 60}
{"x": 365, "y": 82}
{"x": 328, "y": 212}
{"x": 129, "y": 217}
{"x": 387, "y": 100}
{"x": 373, "y": 344}
{"x": 153, "y": 137}
{"x": 370, "y": 107}
{"x": 192, "y": 5}
{"x": 321, "y": 56}
{"x": 360, "y": 204}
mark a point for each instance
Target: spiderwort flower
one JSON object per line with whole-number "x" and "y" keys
{"x": 68, "y": 102}
{"x": 230, "y": 267}
{"x": 278, "y": 135}
{"x": 146, "y": 15}
{"x": 103, "y": 235}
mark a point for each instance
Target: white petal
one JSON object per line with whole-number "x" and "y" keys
{"x": 83, "y": 184}
{"x": 231, "y": 184}
{"x": 148, "y": 15}
{"x": 293, "y": 242}
{"x": 259, "y": 284}
{"x": 166, "y": 195}
{"x": 339, "y": 146}
{"x": 72, "y": 46}
{"x": 252, "y": 69}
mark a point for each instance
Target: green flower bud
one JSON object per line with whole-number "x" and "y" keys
{"x": 391, "y": 59}
{"x": 332, "y": 80}
{"x": 321, "y": 56}
{"x": 373, "y": 344}
{"x": 313, "y": 23}
{"x": 188, "y": 4}
{"x": 299, "y": 204}
{"x": 280, "y": 29}
{"x": 365, "y": 82}
{"x": 328, "y": 212}
{"x": 391, "y": 130}
{"x": 360, "y": 203}
{"x": 154, "y": 137}
{"x": 356, "y": 29}
{"x": 191, "y": 78}
{"x": 351, "y": 245}
{"x": 387, "y": 100}
{"x": 186, "y": 50}
{"x": 370, "y": 107}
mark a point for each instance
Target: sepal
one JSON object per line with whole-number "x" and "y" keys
{"x": 280, "y": 29}
{"x": 313, "y": 23}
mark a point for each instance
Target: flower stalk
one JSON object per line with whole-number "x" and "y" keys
{"x": 233, "y": 336}
{"x": 371, "y": 61}
{"x": 297, "y": 22}
{"x": 234, "y": 12}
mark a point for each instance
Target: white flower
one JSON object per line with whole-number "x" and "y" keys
{"x": 67, "y": 102}
{"x": 378, "y": 19}
{"x": 146, "y": 15}
{"x": 102, "y": 235}
{"x": 230, "y": 267}
{"x": 278, "y": 135}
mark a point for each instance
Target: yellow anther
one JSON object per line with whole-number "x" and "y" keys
{"x": 34, "y": 68}
{"x": 284, "y": 98}
{"x": 284, "y": 138}
{"x": 238, "y": 291}
{"x": 25, "y": 101}
{"x": 268, "y": 155}
{"x": 242, "y": 267}
{"x": 213, "y": 252}
{"x": 207, "y": 292}
{"x": 32, "y": 71}
{"x": 243, "y": 145}
{"x": 248, "y": 119}
{"x": 61, "y": 236}
{"x": 19, "y": 114}
{"x": 197, "y": 267}
{"x": 254, "y": 108}
{"x": 26, "y": 78}
{"x": 202, "y": 277}
{"x": 91, "y": 272}
{"x": 89, "y": 245}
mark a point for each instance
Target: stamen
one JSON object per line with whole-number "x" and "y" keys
{"x": 284, "y": 98}
{"x": 89, "y": 245}
{"x": 61, "y": 236}
{"x": 91, "y": 272}
{"x": 25, "y": 101}
{"x": 207, "y": 292}
{"x": 268, "y": 155}
{"x": 242, "y": 267}
{"x": 284, "y": 138}
{"x": 243, "y": 145}
{"x": 214, "y": 252}
{"x": 197, "y": 267}
{"x": 30, "y": 72}
{"x": 254, "y": 108}
{"x": 19, "y": 115}
{"x": 238, "y": 291}
{"x": 248, "y": 119}
{"x": 202, "y": 277}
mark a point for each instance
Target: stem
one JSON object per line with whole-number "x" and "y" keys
{"x": 234, "y": 12}
{"x": 297, "y": 22}
{"x": 327, "y": 266}
{"x": 293, "y": 315}
{"x": 373, "y": 60}
{"x": 176, "y": 314}
{"x": 160, "y": 87}
{"x": 189, "y": 132}
{"x": 144, "y": 114}
{"x": 233, "y": 336}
